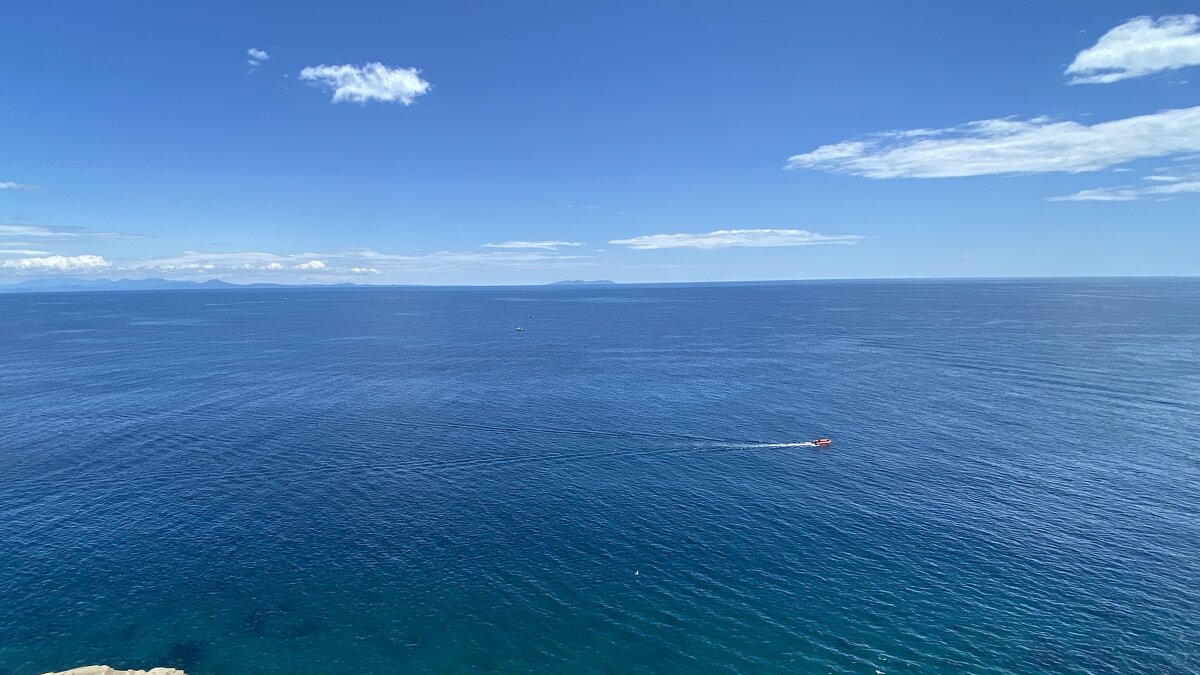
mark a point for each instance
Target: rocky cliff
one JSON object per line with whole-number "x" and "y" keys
{"x": 107, "y": 670}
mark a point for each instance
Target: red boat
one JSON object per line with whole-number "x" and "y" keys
{"x": 822, "y": 442}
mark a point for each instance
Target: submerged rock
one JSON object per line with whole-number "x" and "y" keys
{"x": 107, "y": 670}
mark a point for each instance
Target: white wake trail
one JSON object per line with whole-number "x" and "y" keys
{"x": 805, "y": 444}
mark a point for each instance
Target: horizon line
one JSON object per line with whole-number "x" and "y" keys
{"x": 65, "y": 285}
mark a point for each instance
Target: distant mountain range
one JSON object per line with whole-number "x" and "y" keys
{"x": 68, "y": 284}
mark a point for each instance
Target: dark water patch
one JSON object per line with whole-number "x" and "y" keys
{"x": 187, "y": 655}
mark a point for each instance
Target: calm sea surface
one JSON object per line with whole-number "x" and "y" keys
{"x": 396, "y": 481}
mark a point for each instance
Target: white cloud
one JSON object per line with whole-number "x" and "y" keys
{"x": 1009, "y": 146}
{"x": 448, "y": 260}
{"x": 256, "y": 57}
{"x": 544, "y": 245}
{"x": 1174, "y": 188}
{"x": 249, "y": 266}
{"x": 38, "y": 231}
{"x": 22, "y": 251}
{"x": 58, "y": 263}
{"x": 246, "y": 261}
{"x": 186, "y": 267}
{"x": 373, "y": 81}
{"x": 196, "y": 260}
{"x": 1098, "y": 195}
{"x": 1162, "y": 185}
{"x": 730, "y": 238}
{"x": 25, "y": 231}
{"x": 9, "y": 185}
{"x": 1139, "y": 47}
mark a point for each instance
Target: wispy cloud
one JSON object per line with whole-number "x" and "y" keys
{"x": 43, "y": 232}
{"x": 243, "y": 261}
{"x": 22, "y": 251}
{"x": 1139, "y": 47}
{"x": 373, "y": 81}
{"x": 331, "y": 266}
{"x": 1098, "y": 195}
{"x": 544, "y": 245}
{"x": 1009, "y": 146}
{"x": 255, "y": 57}
{"x": 273, "y": 266}
{"x": 441, "y": 261}
{"x": 1174, "y": 188}
{"x": 58, "y": 263}
{"x": 732, "y": 238}
{"x": 9, "y": 185}
{"x": 1161, "y": 186}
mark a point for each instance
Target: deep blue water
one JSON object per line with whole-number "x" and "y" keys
{"x": 394, "y": 480}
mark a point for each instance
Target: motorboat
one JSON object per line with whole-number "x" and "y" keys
{"x": 821, "y": 442}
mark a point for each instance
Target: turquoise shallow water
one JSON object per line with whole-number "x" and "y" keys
{"x": 394, "y": 480}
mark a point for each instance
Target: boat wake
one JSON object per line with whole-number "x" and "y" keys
{"x": 805, "y": 444}
{"x": 622, "y": 443}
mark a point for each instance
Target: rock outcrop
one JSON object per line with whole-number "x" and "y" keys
{"x": 107, "y": 670}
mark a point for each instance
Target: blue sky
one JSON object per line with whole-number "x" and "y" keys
{"x": 530, "y": 142}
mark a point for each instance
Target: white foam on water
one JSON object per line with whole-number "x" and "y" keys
{"x": 805, "y": 444}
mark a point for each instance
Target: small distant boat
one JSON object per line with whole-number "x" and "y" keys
{"x": 520, "y": 329}
{"x": 821, "y": 442}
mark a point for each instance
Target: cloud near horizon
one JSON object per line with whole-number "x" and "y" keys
{"x": 371, "y": 82}
{"x": 443, "y": 261}
{"x": 333, "y": 266}
{"x": 734, "y": 238}
{"x": 1141, "y": 46}
{"x": 58, "y": 263}
{"x": 1009, "y": 146}
{"x": 544, "y": 245}
{"x": 242, "y": 261}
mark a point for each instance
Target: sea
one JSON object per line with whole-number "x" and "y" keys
{"x": 396, "y": 480}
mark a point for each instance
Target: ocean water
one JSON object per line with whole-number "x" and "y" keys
{"x": 395, "y": 481}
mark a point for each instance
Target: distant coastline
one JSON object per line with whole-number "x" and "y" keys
{"x": 70, "y": 285}
{"x": 66, "y": 284}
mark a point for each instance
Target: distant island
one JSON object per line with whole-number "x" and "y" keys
{"x": 581, "y": 282}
